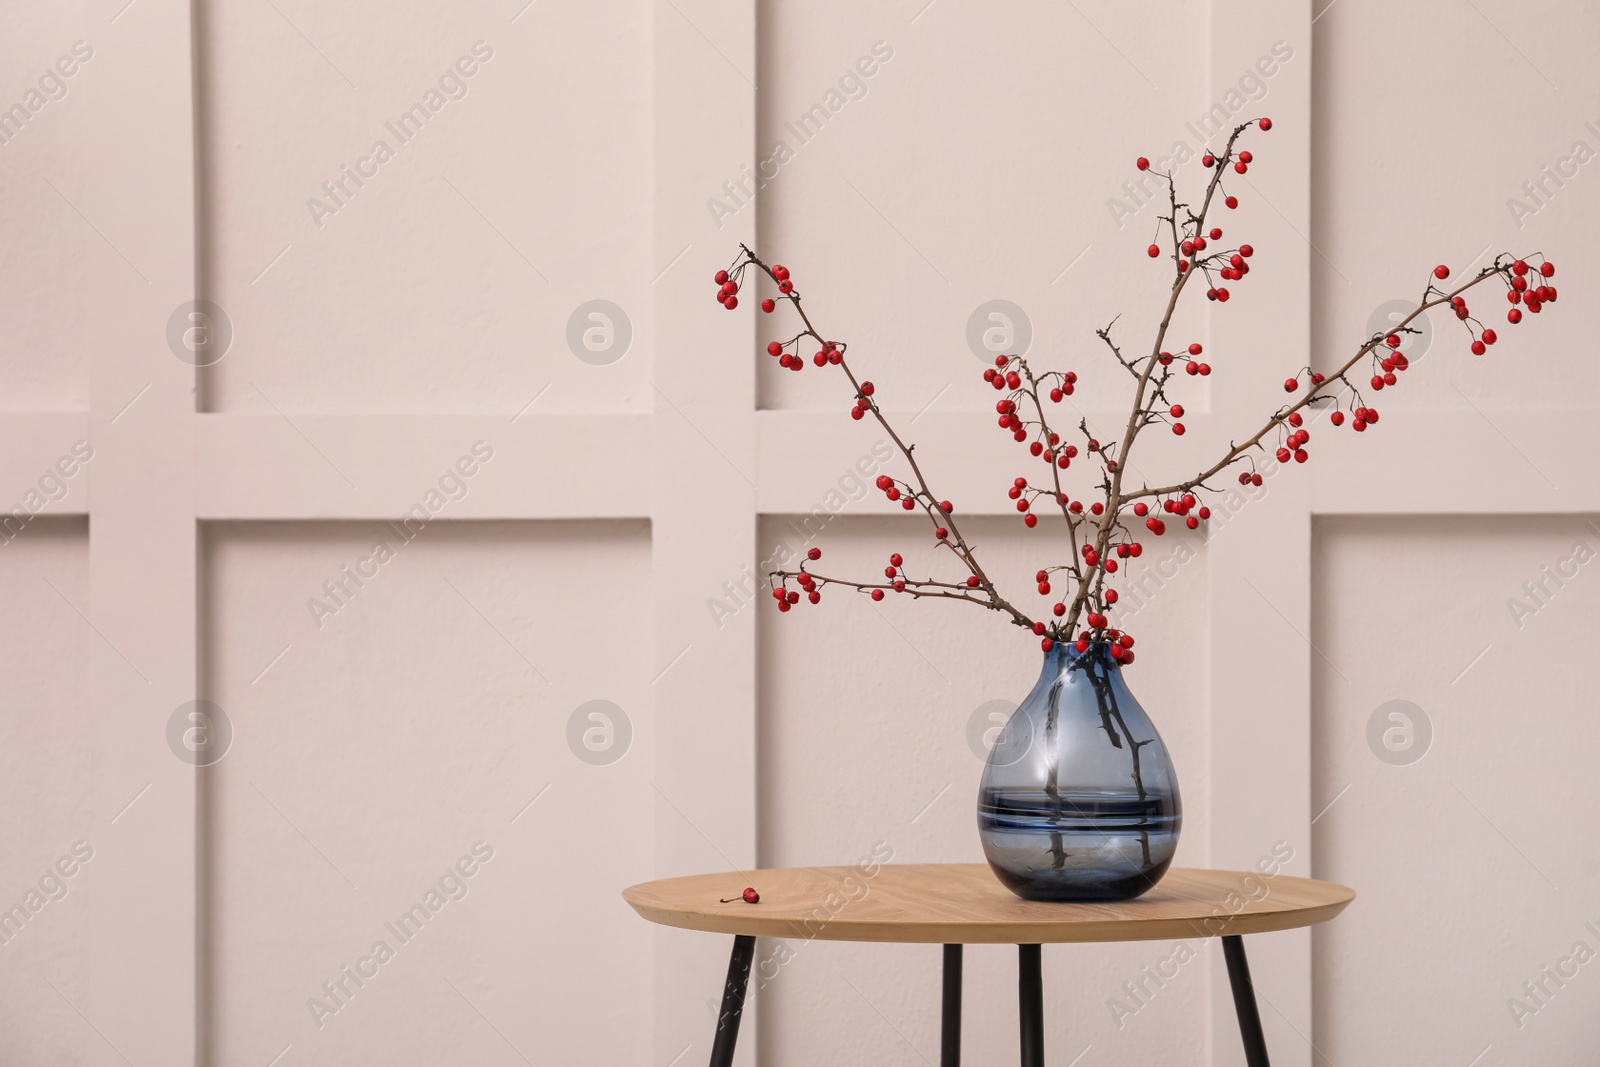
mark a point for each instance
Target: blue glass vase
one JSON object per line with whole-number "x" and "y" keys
{"x": 1079, "y": 801}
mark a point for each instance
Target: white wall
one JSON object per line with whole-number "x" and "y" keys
{"x": 983, "y": 158}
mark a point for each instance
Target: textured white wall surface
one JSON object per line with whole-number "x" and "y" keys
{"x": 456, "y": 265}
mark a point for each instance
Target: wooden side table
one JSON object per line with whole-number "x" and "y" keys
{"x": 956, "y": 904}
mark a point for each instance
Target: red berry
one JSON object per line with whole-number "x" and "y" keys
{"x": 1177, "y": 428}
{"x": 731, "y": 302}
{"x": 721, "y": 277}
{"x": 1547, "y": 269}
{"x": 1337, "y": 418}
{"x": 767, "y": 305}
{"x": 774, "y": 348}
{"x": 1142, "y": 163}
{"x": 896, "y": 560}
{"x": 867, "y": 388}
{"x": 1195, "y": 349}
{"x": 1177, "y": 411}
{"x": 1291, "y": 384}
{"x": 814, "y": 554}
{"x": 972, "y": 581}
{"x": 1246, "y": 251}
{"x": 1264, "y": 123}
{"x": 1478, "y": 348}
{"x": 1441, "y": 272}
{"x": 1514, "y": 315}
{"x": 1246, "y": 157}
{"x": 1047, "y": 644}
{"x": 1489, "y": 337}
{"x": 1232, "y": 202}
{"x": 1154, "y": 250}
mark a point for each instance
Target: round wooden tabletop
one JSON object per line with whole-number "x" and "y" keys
{"x": 963, "y": 903}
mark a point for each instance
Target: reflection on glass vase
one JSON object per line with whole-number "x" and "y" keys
{"x": 1079, "y": 800}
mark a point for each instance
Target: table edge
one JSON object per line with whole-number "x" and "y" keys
{"x": 998, "y": 931}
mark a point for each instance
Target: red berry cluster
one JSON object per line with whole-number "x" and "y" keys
{"x": 1096, "y": 537}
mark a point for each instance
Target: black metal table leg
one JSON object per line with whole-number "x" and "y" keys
{"x": 1030, "y": 1005}
{"x": 1244, "y": 1002}
{"x": 950, "y": 1012}
{"x": 744, "y": 950}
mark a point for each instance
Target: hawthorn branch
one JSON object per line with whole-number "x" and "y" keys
{"x": 931, "y": 503}
{"x": 1321, "y": 390}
